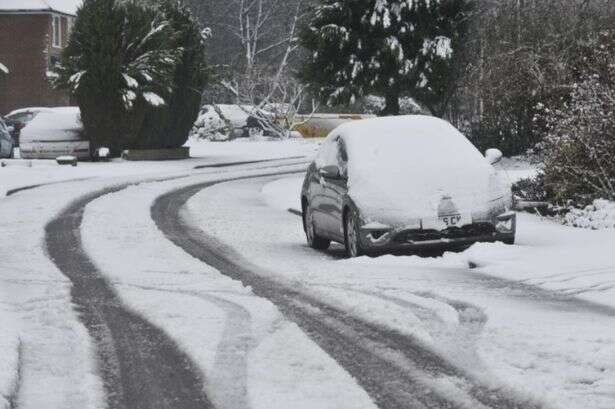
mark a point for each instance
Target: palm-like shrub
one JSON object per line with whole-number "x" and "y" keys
{"x": 129, "y": 65}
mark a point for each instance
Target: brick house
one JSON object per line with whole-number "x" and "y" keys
{"x": 32, "y": 36}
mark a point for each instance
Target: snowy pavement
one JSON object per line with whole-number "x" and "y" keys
{"x": 531, "y": 325}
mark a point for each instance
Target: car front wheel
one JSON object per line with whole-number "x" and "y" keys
{"x": 351, "y": 233}
{"x": 313, "y": 239}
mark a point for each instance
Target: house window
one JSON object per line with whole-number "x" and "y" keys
{"x": 54, "y": 60}
{"x": 57, "y": 32}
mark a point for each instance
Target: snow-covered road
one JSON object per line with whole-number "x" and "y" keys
{"x": 534, "y": 341}
{"x": 211, "y": 264}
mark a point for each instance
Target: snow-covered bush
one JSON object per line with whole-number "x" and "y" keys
{"x": 531, "y": 189}
{"x": 579, "y": 148}
{"x": 212, "y": 124}
{"x": 598, "y": 215}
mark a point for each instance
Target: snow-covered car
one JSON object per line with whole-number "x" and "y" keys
{"x": 6, "y": 141}
{"x": 19, "y": 118}
{"x": 405, "y": 182}
{"x": 54, "y": 133}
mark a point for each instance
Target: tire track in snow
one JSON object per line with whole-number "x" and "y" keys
{"x": 395, "y": 370}
{"x": 13, "y": 398}
{"x": 141, "y": 366}
{"x": 228, "y": 382}
{"x": 459, "y": 339}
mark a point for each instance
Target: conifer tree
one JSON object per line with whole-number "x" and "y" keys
{"x": 390, "y": 48}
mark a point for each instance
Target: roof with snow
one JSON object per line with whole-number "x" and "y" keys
{"x": 29, "y": 6}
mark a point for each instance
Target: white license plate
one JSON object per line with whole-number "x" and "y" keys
{"x": 453, "y": 220}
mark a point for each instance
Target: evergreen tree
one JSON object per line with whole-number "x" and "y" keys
{"x": 389, "y": 48}
{"x": 136, "y": 69}
{"x": 91, "y": 69}
{"x": 169, "y": 126}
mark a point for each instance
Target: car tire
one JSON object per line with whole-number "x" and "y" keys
{"x": 313, "y": 240}
{"x": 351, "y": 235}
{"x": 509, "y": 241}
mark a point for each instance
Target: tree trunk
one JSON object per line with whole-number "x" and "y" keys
{"x": 391, "y": 106}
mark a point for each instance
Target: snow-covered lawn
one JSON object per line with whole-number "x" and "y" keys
{"x": 500, "y": 312}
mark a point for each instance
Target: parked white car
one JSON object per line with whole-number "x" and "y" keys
{"x": 54, "y": 132}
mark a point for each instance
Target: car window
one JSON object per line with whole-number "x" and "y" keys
{"x": 341, "y": 156}
{"x": 22, "y": 117}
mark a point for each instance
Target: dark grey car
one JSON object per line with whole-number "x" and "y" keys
{"x": 387, "y": 184}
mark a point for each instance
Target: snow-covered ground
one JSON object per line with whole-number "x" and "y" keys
{"x": 46, "y": 357}
{"x": 518, "y": 330}
{"x": 251, "y": 356}
{"x": 20, "y": 173}
{"x": 502, "y": 313}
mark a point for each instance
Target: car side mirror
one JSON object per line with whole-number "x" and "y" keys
{"x": 493, "y": 155}
{"x": 330, "y": 172}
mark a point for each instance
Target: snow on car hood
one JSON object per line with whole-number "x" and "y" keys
{"x": 404, "y": 167}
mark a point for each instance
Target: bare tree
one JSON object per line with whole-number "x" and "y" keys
{"x": 263, "y": 83}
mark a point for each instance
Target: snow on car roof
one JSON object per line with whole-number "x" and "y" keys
{"x": 399, "y": 139}
{"x": 30, "y": 109}
{"x": 62, "y": 6}
{"x": 61, "y": 123}
{"x": 408, "y": 163}
{"x": 43, "y": 109}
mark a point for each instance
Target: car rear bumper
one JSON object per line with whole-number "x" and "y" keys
{"x": 51, "y": 150}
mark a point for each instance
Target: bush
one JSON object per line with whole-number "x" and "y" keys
{"x": 579, "y": 147}
{"x": 532, "y": 189}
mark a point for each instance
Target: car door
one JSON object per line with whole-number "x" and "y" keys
{"x": 317, "y": 189}
{"x": 334, "y": 190}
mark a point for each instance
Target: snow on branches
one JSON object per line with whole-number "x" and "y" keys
{"x": 383, "y": 47}
{"x": 579, "y": 146}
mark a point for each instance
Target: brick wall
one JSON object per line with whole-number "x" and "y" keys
{"x": 26, "y": 50}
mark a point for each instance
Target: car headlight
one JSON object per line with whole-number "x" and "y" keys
{"x": 505, "y": 223}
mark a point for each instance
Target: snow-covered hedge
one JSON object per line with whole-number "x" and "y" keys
{"x": 599, "y": 215}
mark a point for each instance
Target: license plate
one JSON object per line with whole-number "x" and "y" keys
{"x": 452, "y": 220}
